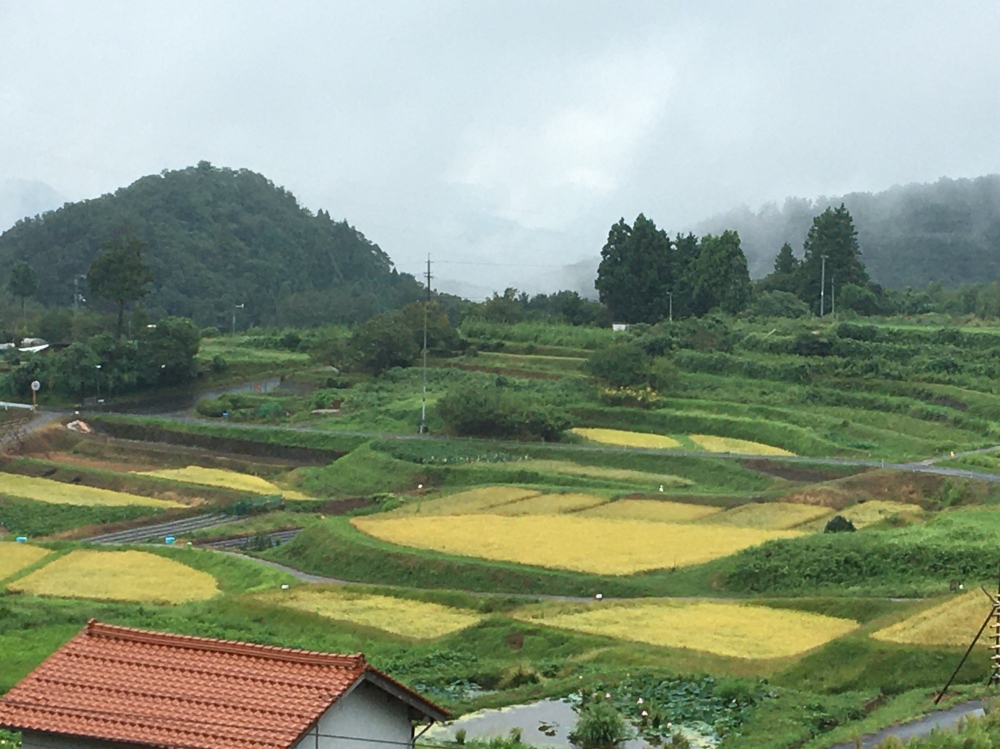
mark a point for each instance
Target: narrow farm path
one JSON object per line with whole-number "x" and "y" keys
{"x": 944, "y": 719}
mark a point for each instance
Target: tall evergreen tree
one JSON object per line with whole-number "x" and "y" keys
{"x": 832, "y": 234}
{"x": 636, "y": 271}
{"x": 22, "y": 282}
{"x": 120, "y": 275}
{"x": 786, "y": 263}
{"x": 685, "y": 255}
{"x": 785, "y": 276}
{"x": 720, "y": 278}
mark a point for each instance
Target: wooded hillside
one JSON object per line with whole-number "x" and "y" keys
{"x": 217, "y": 238}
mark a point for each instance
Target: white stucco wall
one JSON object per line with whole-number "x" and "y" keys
{"x": 366, "y": 713}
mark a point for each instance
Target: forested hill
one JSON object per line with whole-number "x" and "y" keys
{"x": 948, "y": 231}
{"x": 217, "y": 238}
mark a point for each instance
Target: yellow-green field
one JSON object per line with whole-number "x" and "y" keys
{"x": 868, "y": 513}
{"x": 715, "y": 444}
{"x": 468, "y": 502}
{"x": 954, "y": 622}
{"x": 224, "y": 479}
{"x": 400, "y": 616}
{"x": 56, "y": 492}
{"x": 729, "y": 629}
{"x": 626, "y": 439}
{"x": 769, "y": 515}
{"x": 548, "y": 504}
{"x": 118, "y": 576}
{"x": 15, "y": 557}
{"x": 651, "y": 510}
{"x": 599, "y": 472}
{"x": 585, "y": 544}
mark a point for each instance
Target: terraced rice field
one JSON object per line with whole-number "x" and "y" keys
{"x": 468, "y": 502}
{"x": 224, "y": 479}
{"x": 728, "y": 629}
{"x": 868, "y": 513}
{"x": 57, "y": 492}
{"x": 118, "y": 576}
{"x": 15, "y": 557}
{"x": 416, "y": 619}
{"x": 569, "y": 468}
{"x": 952, "y": 623}
{"x": 584, "y": 544}
{"x": 770, "y": 515}
{"x": 548, "y": 504}
{"x": 626, "y": 439}
{"x": 651, "y": 510}
{"x": 715, "y": 444}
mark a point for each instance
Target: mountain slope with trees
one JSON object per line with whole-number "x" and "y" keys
{"x": 216, "y": 238}
{"x": 910, "y": 235}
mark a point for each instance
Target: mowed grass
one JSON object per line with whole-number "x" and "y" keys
{"x": 715, "y": 444}
{"x": 224, "y": 479}
{"x": 417, "y": 619}
{"x": 118, "y": 576}
{"x": 548, "y": 504}
{"x": 15, "y": 557}
{"x": 584, "y": 544}
{"x": 467, "y": 502}
{"x": 570, "y": 468}
{"x": 651, "y": 510}
{"x": 59, "y": 493}
{"x": 952, "y": 623}
{"x": 624, "y": 438}
{"x": 728, "y": 629}
{"x": 769, "y": 515}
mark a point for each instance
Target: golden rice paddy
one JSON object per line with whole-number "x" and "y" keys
{"x": 626, "y": 439}
{"x": 876, "y": 510}
{"x": 600, "y": 472}
{"x": 732, "y": 445}
{"x": 651, "y": 510}
{"x": 728, "y": 629}
{"x": 468, "y": 502}
{"x": 770, "y": 515}
{"x": 118, "y": 576}
{"x": 417, "y": 619}
{"x": 548, "y": 504}
{"x": 57, "y": 492}
{"x": 584, "y": 544}
{"x": 954, "y": 622}
{"x": 224, "y": 479}
{"x": 15, "y": 557}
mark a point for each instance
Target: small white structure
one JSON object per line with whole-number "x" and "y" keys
{"x": 118, "y": 688}
{"x": 619, "y": 327}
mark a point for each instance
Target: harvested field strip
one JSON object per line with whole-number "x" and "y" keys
{"x": 118, "y": 576}
{"x": 769, "y": 515}
{"x": 731, "y": 445}
{"x": 57, "y": 492}
{"x": 610, "y": 547}
{"x": 728, "y": 629}
{"x": 463, "y": 503}
{"x": 548, "y": 504}
{"x": 416, "y": 619}
{"x": 952, "y": 623}
{"x": 651, "y": 510}
{"x": 869, "y": 513}
{"x": 626, "y": 439}
{"x": 15, "y": 557}
{"x": 598, "y": 472}
{"x": 225, "y": 479}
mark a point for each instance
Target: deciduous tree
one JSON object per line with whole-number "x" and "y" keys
{"x": 119, "y": 274}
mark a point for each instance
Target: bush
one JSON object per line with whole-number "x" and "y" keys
{"x": 839, "y": 524}
{"x": 778, "y": 304}
{"x": 497, "y": 412}
{"x": 620, "y": 365}
{"x": 219, "y": 363}
{"x": 600, "y": 726}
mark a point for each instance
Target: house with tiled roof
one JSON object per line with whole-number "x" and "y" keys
{"x": 116, "y": 687}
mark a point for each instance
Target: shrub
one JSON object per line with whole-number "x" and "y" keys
{"x": 269, "y": 410}
{"x": 620, "y": 365}
{"x": 499, "y": 413}
{"x": 839, "y": 524}
{"x": 219, "y": 363}
{"x": 600, "y": 726}
{"x": 778, "y": 304}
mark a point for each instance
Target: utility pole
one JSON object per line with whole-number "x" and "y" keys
{"x": 427, "y": 304}
{"x": 670, "y": 297}
{"x": 822, "y": 284}
{"x": 833, "y": 295}
{"x": 236, "y": 307}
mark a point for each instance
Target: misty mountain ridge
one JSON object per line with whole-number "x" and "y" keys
{"x": 910, "y": 235}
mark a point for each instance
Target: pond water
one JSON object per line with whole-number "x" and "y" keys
{"x": 545, "y": 723}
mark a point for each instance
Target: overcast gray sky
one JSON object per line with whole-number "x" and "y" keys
{"x": 506, "y": 132}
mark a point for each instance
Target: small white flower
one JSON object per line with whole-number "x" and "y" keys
{"x": 607, "y": 696}
{"x": 640, "y": 701}
{"x": 645, "y": 714}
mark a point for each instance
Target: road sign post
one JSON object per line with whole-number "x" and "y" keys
{"x": 35, "y": 387}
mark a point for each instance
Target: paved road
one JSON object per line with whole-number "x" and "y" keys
{"x": 944, "y": 719}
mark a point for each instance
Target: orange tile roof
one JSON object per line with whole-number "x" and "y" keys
{"x": 130, "y": 685}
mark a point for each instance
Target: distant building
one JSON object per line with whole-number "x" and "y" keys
{"x": 619, "y": 327}
{"x": 116, "y": 687}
